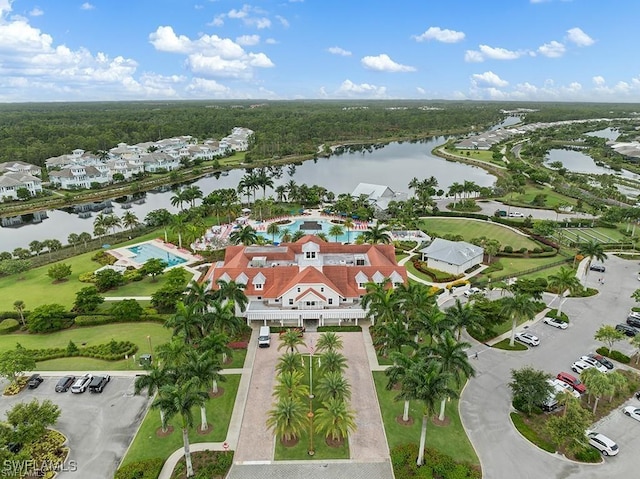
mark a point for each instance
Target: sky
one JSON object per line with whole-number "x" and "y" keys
{"x": 522, "y": 50}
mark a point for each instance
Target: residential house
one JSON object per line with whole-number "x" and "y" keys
{"x": 309, "y": 282}
{"x": 378, "y": 196}
{"x": 11, "y": 182}
{"x": 78, "y": 176}
{"x": 20, "y": 167}
{"x": 454, "y": 257}
{"x": 159, "y": 161}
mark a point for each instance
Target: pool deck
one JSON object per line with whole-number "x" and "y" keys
{"x": 126, "y": 258}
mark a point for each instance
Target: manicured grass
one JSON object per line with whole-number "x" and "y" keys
{"x": 147, "y": 444}
{"x": 451, "y": 439}
{"x": 470, "y": 229}
{"x": 504, "y": 344}
{"x": 525, "y": 199}
{"x": 411, "y": 269}
{"x": 514, "y": 265}
{"x": 530, "y": 434}
{"x": 92, "y": 335}
{"x": 145, "y": 287}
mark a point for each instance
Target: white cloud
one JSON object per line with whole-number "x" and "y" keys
{"x": 339, "y": 51}
{"x": 421, "y": 90}
{"x": 553, "y": 49}
{"x": 577, "y": 36}
{"x": 485, "y": 52}
{"x": 248, "y": 40}
{"x": 87, "y": 6}
{"x": 488, "y": 79}
{"x": 350, "y": 89}
{"x": 283, "y": 21}
{"x": 202, "y": 85}
{"x": 36, "y": 12}
{"x": 271, "y": 41}
{"x": 250, "y": 16}
{"x": 383, "y": 63}
{"x": 217, "y": 21}
{"x": 440, "y": 35}
{"x": 598, "y": 80}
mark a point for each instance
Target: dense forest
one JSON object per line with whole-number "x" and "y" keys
{"x": 33, "y": 132}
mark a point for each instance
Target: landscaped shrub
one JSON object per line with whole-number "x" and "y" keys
{"x": 436, "y": 465}
{"x": 457, "y": 284}
{"x": 584, "y": 293}
{"x": 147, "y": 469}
{"x": 48, "y": 318}
{"x": 98, "y": 319}
{"x": 8, "y": 326}
{"x": 112, "y": 351}
{"x": 132, "y": 275}
{"x": 589, "y": 454}
{"x": 340, "y": 329}
{"x": 530, "y": 434}
{"x": 103, "y": 258}
{"x": 508, "y": 249}
{"x": 614, "y": 354}
{"x": 89, "y": 277}
{"x": 435, "y": 275}
{"x": 15, "y": 388}
{"x": 522, "y": 250}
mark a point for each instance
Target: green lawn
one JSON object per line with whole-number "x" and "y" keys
{"x": 146, "y": 287}
{"x": 525, "y": 199}
{"x": 451, "y": 439}
{"x": 137, "y": 333}
{"x": 147, "y": 444}
{"x": 514, "y": 265}
{"x": 470, "y": 229}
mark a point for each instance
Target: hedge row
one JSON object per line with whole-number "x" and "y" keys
{"x": 340, "y": 329}
{"x": 98, "y": 319}
{"x": 10, "y": 315}
{"x": 613, "y": 354}
{"x": 8, "y": 326}
{"x": 112, "y": 351}
{"x": 436, "y": 464}
{"x": 420, "y": 266}
{"x": 147, "y": 469}
{"x": 477, "y": 216}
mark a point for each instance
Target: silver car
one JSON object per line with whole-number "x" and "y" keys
{"x": 555, "y": 322}
{"x": 528, "y": 339}
{"x": 602, "y": 443}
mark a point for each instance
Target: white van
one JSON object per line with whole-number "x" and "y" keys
{"x": 264, "y": 338}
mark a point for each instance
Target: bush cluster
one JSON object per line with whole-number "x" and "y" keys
{"x": 588, "y": 454}
{"x": 437, "y": 464}
{"x": 147, "y": 469}
{"x": 111, "y": 351}
{"x": 340, "y": 329}
{"x": 14, "y": 388}
{"x": 457, "y": 284}
{"x": 614, "y": 354}
{"x": 436, "y": 276}
{"x": 98, "y": 319}
{"x": 553, "y": 313}
{"x": 103, "y": 258}
{"x": 8, "y": 326}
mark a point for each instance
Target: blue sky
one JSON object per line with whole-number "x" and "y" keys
{"x": 550, "y": 50}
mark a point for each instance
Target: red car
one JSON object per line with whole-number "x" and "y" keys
{"x": 572, "y": 381}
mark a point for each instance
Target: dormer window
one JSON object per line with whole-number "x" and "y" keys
{"x": 310, "y": 255}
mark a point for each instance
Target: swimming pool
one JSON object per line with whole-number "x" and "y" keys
{"x": 325, "y": 224}
{"x": 146, "y": 251}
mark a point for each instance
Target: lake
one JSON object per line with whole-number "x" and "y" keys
{"x": 393, "y": 165}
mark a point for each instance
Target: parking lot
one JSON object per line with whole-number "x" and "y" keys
{"x": 486, "y": 401}
{"x": 99, "y": 427}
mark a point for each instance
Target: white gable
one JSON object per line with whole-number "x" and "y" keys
{"x": 259, "y": 279}
{"x": 225, "y": 277}
{"x": 310, "y": 246}
{"x": 361, "y": 278}
{"x": 378, "y": 277}
{"x": 396, "y": 278}
{"x": 242, "y": 279}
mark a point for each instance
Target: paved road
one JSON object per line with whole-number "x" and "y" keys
{"x": 485, "y": 402}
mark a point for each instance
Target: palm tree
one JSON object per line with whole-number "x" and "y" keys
{"x": 291, "y": 339}
{"x": 199, "y": 295}
{"x": 173, "y": 354}
{"x": 285, "y": 235}
{"x": 518, "y": 307}
{"x": 380, "y": 302}
{"x": 425, "y": 381}
{"x": 377, "y": 234}
{"x": 202, "y": 369}
{"x": 635, "y": 342}
{"x": 565, "y": 279}
{"x": 335, "y": 419}
{"x": 233, "y": 292}
{"x": 85, "y": 238}
{"x": 130, "y": 220}
{"x": 73, "y": 239}
{"x": 348, "y": 224}
{"x": 245, "y": 235}
{"x": 36, "y": 247}
{"x": 396, "y": 374}
{"x": 335, "y": 231}
{"x": 185, "y": 322}
{"x": 191, "y": 194}
{"x": 453, "y": 360}
{"x": 329, "y": 342}
{"x": 221, "y": 318}
{"x": 592, "y": 250}
{"x": 273, "y": 229}
{"x": 281, "y": 193}
{"x": 333, "y": 385}
{"x": 287, "y": 418}
{"x": 179, "y": 226}
{"x": 289, "y": 362}
{"x": 463, "y": 316}
{"x": 178, "y": 400}
{"x": 263, "y": 180}
{"x": 291, "y": 385}
{"x": 179, "y": 198}
{"x": 19, "y": 306}
{"x": 390, "y": 336}
{"x": 217, "y": 344}
{"x": 152, "y": 381}
{"x": 333, "y": 361}
{"x": 597, "y": 385}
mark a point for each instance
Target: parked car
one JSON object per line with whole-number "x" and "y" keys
{"x": 602, "y": 360}
{"x": 65, "y": 383}
{"x": 528, "y": 338}
{"x": 637, "y": 394}
{"x": 579, "y": 366}
{"x": 555, "y": 322}
{"x": 634, "y": 314}
{"x": 626, "y": 329}
{"x": 34, "y": 381}
{"x": 597, "y": 267}
{"x": 98, "y": 383}
{"x": 633, "y": 321}
{"x": 472, "y": 291}
{"x": 516, "y": 214}
{"x": 572, "y": 381}
{"x": 633, "y": 412}
{"x": 602, "y": 443}
{"x": 81, "y": 384}
{"x": 595, "y": 363}
{"x": 562, "y": 387}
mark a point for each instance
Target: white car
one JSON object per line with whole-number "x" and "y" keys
{"x": 528, "y": 339}
{"x": 633, "y": 412}
{"x": 580, "y": 366}
{"x": 472, "y": 291}
{"x": 556, "y": 323}
{"x": 561, "y": 386}
{"x": 516, "y": 214}
{"x": 602, "y": 443}
{"x": 634, "y": 314}
{"x": 595, "y": 363}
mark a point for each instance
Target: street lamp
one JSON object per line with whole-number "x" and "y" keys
{"x": 150, "y": 348}
{"x": 311, "y": 451}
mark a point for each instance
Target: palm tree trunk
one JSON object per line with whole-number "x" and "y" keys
{"x": 163, "y": 421}
{"x": 405, "y": 413}
{"x": 179, "y": 240}
{"x": 203, "y": 418}
{"x": 187, "y": 452}
{"x": 514, "y": 323}
{"x": 595, "y": 404}
{"x": 214, "y": 387}
{"x": 423, "y": 438}
{"x": 442, "y": 405}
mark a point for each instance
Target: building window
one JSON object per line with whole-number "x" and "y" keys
{"x": 330, "y": 301}
{"x": 310, "y": 254}
{"x": 321, "y": 289}
{"x": 258, "y": 286}
{"x": 361, "y": 285}
{"x": 259, "y": 298}
{"x": 298, "y": 290}
{"x": 291, "y": 302}
{"x": 360, "y": 262}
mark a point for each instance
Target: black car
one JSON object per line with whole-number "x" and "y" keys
{"x": 627, "y": 330}
{"x": 98, "y": 383}
{"x": 633, "y": 321}
{"x": 34, "y": 381}
{"x": 602, "y": 360}
{"x": 597, "y": 267}
{"x": 65, "y": 383}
